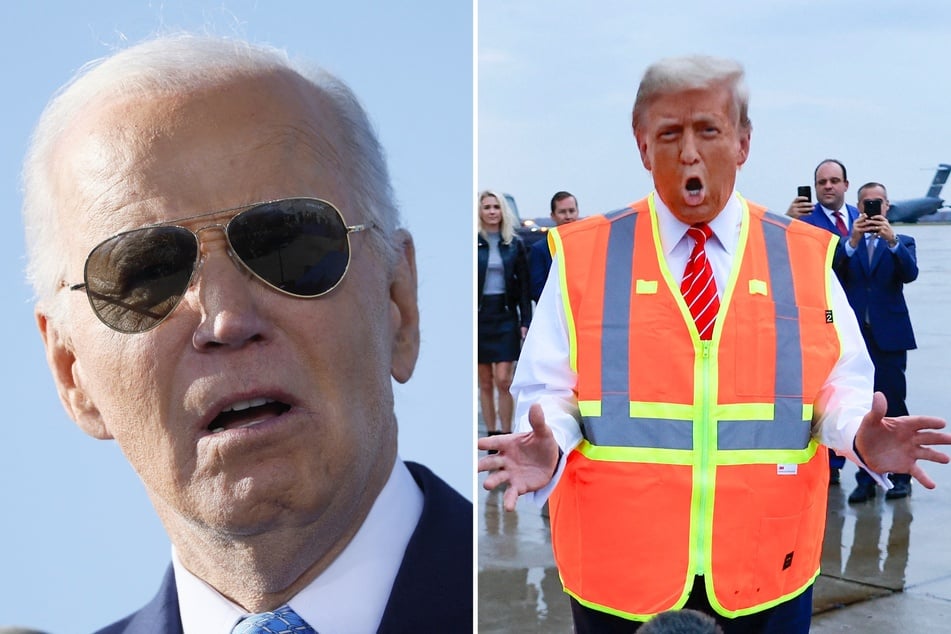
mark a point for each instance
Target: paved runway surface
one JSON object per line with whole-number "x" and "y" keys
{"x": 886, "y": 564}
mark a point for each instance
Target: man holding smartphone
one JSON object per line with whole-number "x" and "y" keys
{"x": 832, "y": 214}
{"x": 877, "y": 265}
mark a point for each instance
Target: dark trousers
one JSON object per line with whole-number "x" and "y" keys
{"x": 791, "y": 617}
{"x": 889, "y": 380}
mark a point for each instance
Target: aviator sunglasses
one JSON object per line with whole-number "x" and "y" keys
{"x": 297, "y": 246}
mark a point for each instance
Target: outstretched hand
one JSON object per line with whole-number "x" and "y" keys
{"x": 525, "y": 462}
{"x": 897, "y": 444}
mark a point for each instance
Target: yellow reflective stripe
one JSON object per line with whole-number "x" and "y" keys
{"x": 556, "y": 247}
{"x": 744, "y": 411}
{"x": 755, "y": 411}
{"x": 666, "y": 273}
{"x": 760, "y": 606}
{"x": 630, "y": 616}
{"x": 589, "y": 408}
{"x": 767, "y": 456}
{"x": 635, "y": 454}
{"x": 668, "y": 411}
{"x": 727, "y": 295}
{"x": 680, "y": 411}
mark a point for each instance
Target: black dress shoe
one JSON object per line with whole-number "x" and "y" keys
{"x": 900, "y": 490}
{"x": 862, "y": 493}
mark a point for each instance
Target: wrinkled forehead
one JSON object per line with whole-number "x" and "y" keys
{"x": 132, "y": 160}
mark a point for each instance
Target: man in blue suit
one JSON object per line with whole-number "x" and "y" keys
{"x": 564, "y": 209}
{"x": 877, "y": 264}
{"x": 194, "y": 178}
{"x": 832, "y": 214}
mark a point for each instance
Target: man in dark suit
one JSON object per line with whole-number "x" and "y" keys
{"x": 877, "y": 264}
{"x": 834, "y": 215}
{"x": 256, "y": 405}
{"x": 564, "y": 209}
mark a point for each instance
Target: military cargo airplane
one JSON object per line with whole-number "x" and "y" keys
{"x": 914, "y": 208}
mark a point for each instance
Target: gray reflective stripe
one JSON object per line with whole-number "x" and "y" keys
{"x": 615, "y": 400}
{"x": 786, "y": 430}
{"x": 654, "y": 433}
{"x": 616, "y": 428}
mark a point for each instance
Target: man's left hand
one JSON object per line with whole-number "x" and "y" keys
{"x": 895, "y": 445}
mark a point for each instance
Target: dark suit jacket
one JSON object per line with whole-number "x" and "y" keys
{"x": 818, "y": 218}
{"x": 539, "y": 263}
{"x": 432, "y": 591}
{"x": 876, "y": 289}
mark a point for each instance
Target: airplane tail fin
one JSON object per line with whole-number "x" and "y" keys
{"x": 940, "y": 178}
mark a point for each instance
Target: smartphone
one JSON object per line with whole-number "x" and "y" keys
{"x": 873, "y": 207}
{"x": 805, "y": 191}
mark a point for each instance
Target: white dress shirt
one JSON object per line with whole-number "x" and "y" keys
{"x": 350, "y": 595}
{"x": 543, "y": 374}
{"x": 846, "y": 218}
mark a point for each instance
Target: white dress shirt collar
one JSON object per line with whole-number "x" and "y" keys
{"x": 830, "y": 214}
{"x": 350, "y": 595}
{"x": 725, "y": 226}
{"x": 721, "y": 247}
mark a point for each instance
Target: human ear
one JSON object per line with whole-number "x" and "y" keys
{"x": 67, "y": 375}
{"x": 745, "y": 137}
{"x": 641, "y": 140}
{"x": 404, "y": 310}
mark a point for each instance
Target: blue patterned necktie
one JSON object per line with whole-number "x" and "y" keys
{"x": 283, "y": 620}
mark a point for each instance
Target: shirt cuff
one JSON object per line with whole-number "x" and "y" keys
{"x": 881, "y": 479}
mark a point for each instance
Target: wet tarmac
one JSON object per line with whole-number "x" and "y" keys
{"x": 886, "y": 564}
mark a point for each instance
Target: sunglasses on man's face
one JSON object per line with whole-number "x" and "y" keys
{"x": 297, "y": 246}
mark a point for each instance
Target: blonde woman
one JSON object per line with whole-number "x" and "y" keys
{"x": 505, "y": 308}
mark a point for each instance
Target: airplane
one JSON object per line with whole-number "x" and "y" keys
{"x": 913, "y": 209}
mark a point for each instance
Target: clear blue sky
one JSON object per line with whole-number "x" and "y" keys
{"x": 80, "y": 544}
{"x": 865, "y": 81}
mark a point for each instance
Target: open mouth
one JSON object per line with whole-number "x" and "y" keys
{"x": 694, "y": 185}
{"x": 247, "y": 413}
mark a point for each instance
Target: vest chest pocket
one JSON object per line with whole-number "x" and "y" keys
{"x": 752, "y": 349}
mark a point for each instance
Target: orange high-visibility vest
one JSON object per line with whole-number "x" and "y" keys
{"x": 698, "y": 456}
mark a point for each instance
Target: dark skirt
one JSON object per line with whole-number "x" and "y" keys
{"x": 500, "y": 337}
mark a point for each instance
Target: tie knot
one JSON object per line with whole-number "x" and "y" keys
{"x": 700, "y": 232}
{"x": 283, "y": 620}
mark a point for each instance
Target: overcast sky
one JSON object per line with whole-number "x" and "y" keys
{"x": 862, "y": 81}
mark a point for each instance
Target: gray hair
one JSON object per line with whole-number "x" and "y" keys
{"x": 693, "y": 72}
{"x": 185, "y": 62}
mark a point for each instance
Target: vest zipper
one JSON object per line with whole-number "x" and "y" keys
{"x": 704, "y": 476}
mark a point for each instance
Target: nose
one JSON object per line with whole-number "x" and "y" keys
{"x": 688, "y": 148}
{"x": 228, "y": 300}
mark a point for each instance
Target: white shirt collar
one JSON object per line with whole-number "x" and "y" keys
{"x": 725, "y": 226}
{"x": 350, "y": 595}
{"x": 831, "y": 213}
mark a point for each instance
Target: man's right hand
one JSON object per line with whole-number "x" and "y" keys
{"x": 799, "y": 207}
{"x": 526, "y": 462}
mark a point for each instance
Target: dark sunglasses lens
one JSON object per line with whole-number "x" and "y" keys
{"x": 135, "y": 279}
{"x": 298, "y": 245}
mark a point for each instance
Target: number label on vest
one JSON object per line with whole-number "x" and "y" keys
{"x": 828, "y": 316}
{"x": 787, "y": 469}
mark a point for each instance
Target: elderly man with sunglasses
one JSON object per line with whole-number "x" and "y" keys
{"x": 228, "y": 298}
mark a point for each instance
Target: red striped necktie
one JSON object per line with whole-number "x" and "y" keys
{"x": 840, "y": 224}
{"x": 699, "y": 287}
